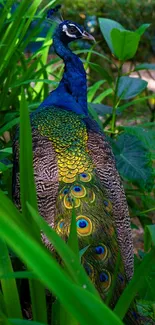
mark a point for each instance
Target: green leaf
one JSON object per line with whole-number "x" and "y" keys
{"x": 125, "y": 43}
{"x": 149, "y": 238}
{"x": 16, "y": 321}
{"x": 27, "y": 185}
{"x": 73, "y": 239}
{"x": 9, "y": 286}
{"x": 4, "y": 167}
{"x": 145, "y": 66}
{"x": 101, "y": 109}
{"x": 73, "y": 297}
{"x": 3, "y": 319}
{"x": 9, "y": 125}
{"x": 129, "y": 87}
{"x": 133, "y": 160}
{"x": 104, "y": 94}
{"x": 2, "y": 304}
{"x": 18, "y": 275}
{"x": 103, "y": 72}
{"x": 5, "y": 152}
{"x": 135, "y": 284}
{"x": 82, "y": 251}
{"x": 134, "y": 102}
{"x": 65, "y": 316}
{"x": 94, "y": 115}
{"x": 28, "y": 193}
{"x": 71, "y": 261}
{"x": 106, "y": 26}
{"x": 143, "y": 134}
{"x": 93, "y": 89}
{"x": 142, "y": 29}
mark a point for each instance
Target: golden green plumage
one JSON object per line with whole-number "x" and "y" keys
{"x": 69, "y": 137}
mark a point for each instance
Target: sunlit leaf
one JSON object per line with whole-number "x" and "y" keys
{"x": 106, "y": 26}
{"x": 142, "y": 29}
{"x": 125, "y": 43}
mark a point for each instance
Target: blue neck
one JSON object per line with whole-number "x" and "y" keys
{"x": 71, "y": 94}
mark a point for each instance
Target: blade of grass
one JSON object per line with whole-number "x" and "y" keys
{"x": 149, "y": 237}
{"x": 28, "y": 193}
{"x": 9, "y": 287}
{"x": 73, "y": 239}
{"x": 16, "y": 321}
{"x": 134, "y": 102}
{"x": 18, "y": 275}
{"x": 3, "y": 319}
{"x": 30, "y": 14}
{"x": 50, "y": 273}
{"x": 49, "y": 4}
{"x": 6, "y": 8}
{"x": 65, "y": 317}
{"x": 95, "y": 116}
{"x": 71, "y": 261}
{"x": 135, "y": 284}
{"x": 16, "y": 29}
{"x": 43, "y": 58}
{"x": 2, "y": 304}
{"x": 93, "y": 89}
{"x": 27, "y": 186}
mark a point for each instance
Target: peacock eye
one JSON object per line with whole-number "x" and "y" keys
{"x": 84, "y": 226}
{"x": 72, "y": 30}
{"x": 105, "y": 279}
{"x": 100, "y": 252}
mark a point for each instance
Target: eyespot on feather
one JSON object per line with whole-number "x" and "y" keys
{"x": 89, "y": 270}
{"x": 85, "y": 177}
{"x": 105, "y": 280}
{"x": 78, "y": 191}
{"x": 100, "y": 252}
{"x": 61, "y": 227}
{"x": 107, "y": 205}
{"x": 84, "y": 225}
{"x": 91, "y": 195}
{"x": 70, "y": 202}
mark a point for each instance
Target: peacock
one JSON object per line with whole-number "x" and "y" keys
{"x": 74, "y": 167}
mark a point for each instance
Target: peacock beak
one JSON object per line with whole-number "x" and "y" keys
{"x": 88, "y": 36}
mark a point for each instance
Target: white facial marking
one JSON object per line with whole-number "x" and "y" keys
{"x": 70, "y": 35}
{"x": 64, "y": 28}
{"x": 76, "y": 28}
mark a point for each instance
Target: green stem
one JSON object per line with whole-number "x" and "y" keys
{"x": 146, "y": 211}
{"x": 115, "y": 101}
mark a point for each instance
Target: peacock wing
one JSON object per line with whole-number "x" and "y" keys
{"x": 104, "y": 161}
{"x": 45, "y": 173}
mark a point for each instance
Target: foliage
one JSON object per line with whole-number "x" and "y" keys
{"x": 24, "y": 84}
{"x": 130, "y": 14}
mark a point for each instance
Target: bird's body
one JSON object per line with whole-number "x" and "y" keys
{"x": 77, "y": 185}
{"x": 74, "y": 167}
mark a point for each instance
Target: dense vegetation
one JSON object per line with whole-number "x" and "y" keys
{"x": 123, "y": 106}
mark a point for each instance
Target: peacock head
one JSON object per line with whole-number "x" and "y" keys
{"x": 70, "y": 31}
{"x": 67, "y": 30}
